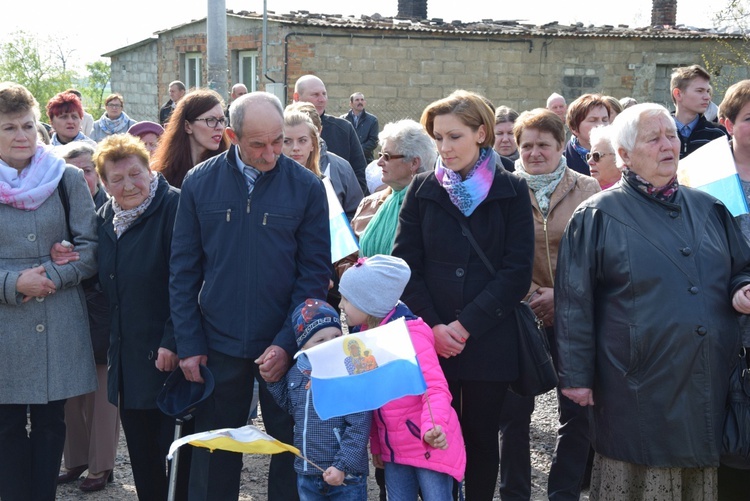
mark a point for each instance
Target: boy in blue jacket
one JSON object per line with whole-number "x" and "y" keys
{"x": 338, "y": 445}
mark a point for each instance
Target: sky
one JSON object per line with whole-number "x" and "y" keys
{"x": 134, "y": 20}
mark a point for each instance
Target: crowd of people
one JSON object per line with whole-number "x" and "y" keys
{"x": 131, "y": 250}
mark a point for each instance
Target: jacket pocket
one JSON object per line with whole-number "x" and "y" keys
{"x": 271, "y": 219}
{"x": 635, "y": 351}
{"x": 414, "y": 429}
{"x": 214, "y": 212}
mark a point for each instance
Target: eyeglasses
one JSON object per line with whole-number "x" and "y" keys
{"x": 213, "y": 122}
{"x": 113, "y": 105}
{"x": 596, "y": 156}
{"x": 388, "y": 157}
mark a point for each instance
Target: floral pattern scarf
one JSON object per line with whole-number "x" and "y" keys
{"x": 123, "y": 219}
{"x": 29, "y": 189}
{"x": 467, "y": 194}
{"x": 664, "y": 193}
{"x": 117, "y": 126}
{"x": 543, "y": 185}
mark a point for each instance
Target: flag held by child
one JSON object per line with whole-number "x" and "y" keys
{"x": 248, "y": 440}
{"x": 364, "y": 371}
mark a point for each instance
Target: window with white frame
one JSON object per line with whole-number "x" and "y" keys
{"x": 246, "y": 72}
{"x": 193, "y": 70}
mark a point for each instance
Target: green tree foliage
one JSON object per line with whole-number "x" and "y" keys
{"x": 97, "y": 81}
{"x": 39, "y": 65}
{"x": 43, "y": 65}
{"x": 728, "y": 59}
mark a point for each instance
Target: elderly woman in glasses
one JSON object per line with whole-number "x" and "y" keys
{"x": 555, "y": 191}
{"x": 113, "y": 121}
{"x": 405, "y": 150}
{"x": 602, "y": 157}
{"x": 651, "y": 278}
{"x": 195, "y": 132}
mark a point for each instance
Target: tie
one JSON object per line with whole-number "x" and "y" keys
{"x": 685, "y": 131}
{"x": 251, "y": 175}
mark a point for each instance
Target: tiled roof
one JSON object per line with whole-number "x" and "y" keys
{"x": 486, "y": 26}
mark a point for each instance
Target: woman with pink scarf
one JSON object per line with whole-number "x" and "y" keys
{"x": 45, "y": 353}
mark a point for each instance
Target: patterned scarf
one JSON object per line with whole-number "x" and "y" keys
{"x": 125, "y": 218}
{"x": 55, "y": 141}
{"x": 117, "y": 126}
{"x": 29, "y": 189}
{"x": 380, "y": 232}
{"x": 664, "y": 193}
{"x": 468, "y": 193}
{"x": 543, "y": 185}
{"x": 579, "y": 149}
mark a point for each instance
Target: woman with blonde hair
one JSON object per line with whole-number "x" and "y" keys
{"x": 301, "y": 141}
{"x": 467, "y": 233}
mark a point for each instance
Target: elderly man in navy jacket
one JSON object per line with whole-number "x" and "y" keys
{"x": 251, "y": 241}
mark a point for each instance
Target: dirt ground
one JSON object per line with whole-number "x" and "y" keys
{"x": 255, "y": 469}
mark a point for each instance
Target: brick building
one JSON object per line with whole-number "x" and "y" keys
{"x": 402, "y": 64}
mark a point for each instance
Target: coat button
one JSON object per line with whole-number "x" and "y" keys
{"x": 702, "y": 331}
{"x": 693, "y": 290}
{"x": 40, "y": 328}
{"x": 459, "y": 272}
{"x": 39, "y": 299}
{"x": 458, "y": 313}
{"x": 686, "y": 251}
{"x": 31, "y": 237}
{"x": 674, "y": 214}
{"x": 111, "y": 276}
{"x": 151, "y": 355}
{"x": 499, "y": 312}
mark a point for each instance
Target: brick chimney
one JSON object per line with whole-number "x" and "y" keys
{"x": 663, "y": 12}
{"x": 414, "y": 9}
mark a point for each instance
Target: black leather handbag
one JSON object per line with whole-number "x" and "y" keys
{"x": 735, "y": 451}
{"x": 536, "y": 372}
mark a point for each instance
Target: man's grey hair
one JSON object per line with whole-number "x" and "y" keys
{"x": 238, "y": 107}
{"x": 625, "y": 127}
{"x": 177, "y": 84}
{"x": 410, "y": 139}
{"x": 554, "y": 96}
{"x": 74, "y": 149}
{"x": 351, "y": 98}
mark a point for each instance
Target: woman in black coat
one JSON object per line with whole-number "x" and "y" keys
{"x": 135, "y": 227}
{"x": 651, "y": 279}
{"x": 470, "y": 308}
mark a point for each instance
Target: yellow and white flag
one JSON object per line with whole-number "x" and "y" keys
{"x": 248, "y": 440}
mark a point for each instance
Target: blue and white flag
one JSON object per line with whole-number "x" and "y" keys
{"x": 711, "y": 168}
{"x": 343, "y": 241}
{"x": 364, "y": 371}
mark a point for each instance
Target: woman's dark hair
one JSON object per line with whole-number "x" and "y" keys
{"x": 172, "y": 157}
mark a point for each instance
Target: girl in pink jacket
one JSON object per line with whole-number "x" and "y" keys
{"x": 419, "y": 445}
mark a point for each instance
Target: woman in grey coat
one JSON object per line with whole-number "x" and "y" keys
{"x": 45, "y": 353}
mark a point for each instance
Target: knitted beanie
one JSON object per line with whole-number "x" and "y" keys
{"x": 311, "y": 316}
{"x": 375, "y": 284}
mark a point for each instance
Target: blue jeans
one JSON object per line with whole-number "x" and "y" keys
{"x": 313, "y": 488}
{"x": 404, "y": 483}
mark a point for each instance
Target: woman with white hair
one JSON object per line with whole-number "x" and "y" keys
{"x": 405, "y": 150}
{"x": 650, "y": 278}
{"x": 602, "y": 157}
